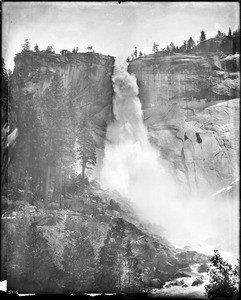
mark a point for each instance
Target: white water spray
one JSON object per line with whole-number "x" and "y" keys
{"x": 133, "y": 167}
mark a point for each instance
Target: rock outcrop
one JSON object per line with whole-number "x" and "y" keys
{"x": 191, "y": 110}
{"x": 163, "y": 79}
{"x": 87, "y": 76}
{"x": 74, "y": 237}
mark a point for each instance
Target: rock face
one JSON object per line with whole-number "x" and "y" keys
{"x": 182, "y": 77}
{"x": 87, "y": 76}
{"x": 191, "y": 111}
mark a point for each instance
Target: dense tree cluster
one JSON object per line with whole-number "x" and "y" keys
{"x": 44, "y": 149}
{"x": 8, "y": 125}
{"x": 61, "y": 258}
{"x": 117, "y": 268}
{"x": 48, "y": 128}
{"x": 4, "y": 94}
{"x": 87, "y": 146}
{"x": 49, "y": 49}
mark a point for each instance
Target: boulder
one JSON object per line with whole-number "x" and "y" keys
{"x": 197, "y": 282}
{"x": 175, "y": 282}
{"x": 170, "y": 268}
{"x": 178, "y": 283}
{"x": 179, "y": 274}
{"x": 156, "y": 283}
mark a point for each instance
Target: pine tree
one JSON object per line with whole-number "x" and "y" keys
{"x": 132, "y": 281}
{"x": 229, "y": 32}
{"x": 45, "y": 147}
{"x": 32, "y": 262}
{"x": 110, "y": 263}
{"x": 172, "y": 47}
{"x": 79, "y": 259}
{"x": 224, "y": 279}
{"x": 219, "y": 33}
{"x": 202, "y": 36}
{"x": 58, "y": 134}
{"x": 72, "y": 96}
{"x": 190, "y": 44}
{"x": 36, "y": 48}
{"x": 140, "y": 54}
{"x": 26, "y": 45}
{"x": 4, "y": 94}
{"x": 87, "y": 148}
{"x": 64, "y": 51}
{"x": 23, "y": 110}
{"x": 50, "y": 50}
{"x": 105, "y": 276}
{"x": 155, "y": 47}
{"x": 128, "y": 59}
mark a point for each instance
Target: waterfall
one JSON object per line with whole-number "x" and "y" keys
{"x": 133, "y": 167}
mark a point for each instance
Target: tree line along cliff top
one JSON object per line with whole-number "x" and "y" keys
{"x": 64, "y": 57}
{"x": 221, "y": 44}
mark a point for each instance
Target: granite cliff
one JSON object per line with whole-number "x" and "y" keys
{"x": 192, "y": 113}
{"x": 86, "y": 75}
{"x": 190, "y": 104}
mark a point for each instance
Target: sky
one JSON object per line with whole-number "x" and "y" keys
{"x": 109, "y": 27}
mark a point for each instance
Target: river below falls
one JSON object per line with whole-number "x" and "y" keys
{"x": 190, "y": 291}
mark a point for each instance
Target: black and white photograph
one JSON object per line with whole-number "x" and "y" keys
{"x": 120, "y": 148}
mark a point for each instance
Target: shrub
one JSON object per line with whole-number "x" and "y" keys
{"x": 224, "y": 279}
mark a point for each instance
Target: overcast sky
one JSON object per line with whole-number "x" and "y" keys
{"x": 109, "y": 27}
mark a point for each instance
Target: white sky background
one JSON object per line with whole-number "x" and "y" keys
{"x": 111, "y": 28}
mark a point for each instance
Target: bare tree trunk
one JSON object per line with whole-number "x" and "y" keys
{"x": 47, "y": 187}
{"x": 60, "y": 187}
{"x": 56, "y": 183}
{"x": 47, "y": 179}
{"x": 40, "y": 184}
{"x": 26, "y": 187}
{"x": 64, "y": 185}
{"x": 32, "y": 164}
{"x": 83, "y": 170}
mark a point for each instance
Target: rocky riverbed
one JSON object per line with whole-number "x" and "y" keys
{"x": 190, "y": 285}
